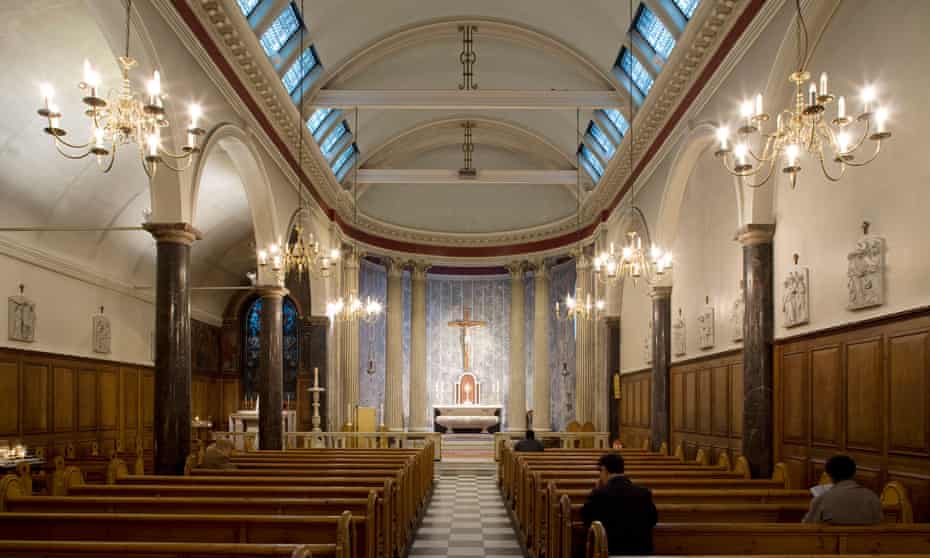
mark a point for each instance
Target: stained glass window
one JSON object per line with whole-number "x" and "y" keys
{"x": 247, "y": 6}
{"x": 595, "y": 168}
{"x": 317, "y": 118}
{"x": 616, "y": 117}
{"x": 281, "y": 30}
{"x": 633, "y": 68}
{"x": 332, "y": 139}
{"x": 253, "y": 328}
{"x": 651, "y": 28}
{"x": 687, "y": 7}
{"x": 299, "y": 69}
{"x": 601, "y": 139}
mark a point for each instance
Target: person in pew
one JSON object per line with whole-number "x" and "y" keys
{"x": 529, "y": 443}
{"x": 624, "y": 509}
{"x": 847, "y": 502}
{"x": 217, "y": 455}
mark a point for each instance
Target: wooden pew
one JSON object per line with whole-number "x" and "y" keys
{"x": 373, "y": 525}
{"x": 566, "y": 530}
{"x": 777, "y": 540}
{"x": 99, "y": 549}
{"x": 332, "y": 532}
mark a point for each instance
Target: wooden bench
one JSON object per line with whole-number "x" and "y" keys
{"x": 776, "y": 540}
{"x": 332, "y": 531}
{"x": 98, "y": 549}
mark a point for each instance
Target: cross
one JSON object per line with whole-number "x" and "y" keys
{"x": 464, "y": 324}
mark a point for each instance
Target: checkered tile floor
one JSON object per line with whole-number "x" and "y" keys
{"x": 466, "y": 518}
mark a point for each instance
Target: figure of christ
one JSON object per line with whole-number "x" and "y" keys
{"x": 464, "y": 325}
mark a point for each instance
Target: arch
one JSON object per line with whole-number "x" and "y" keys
{"x": 241, "y": 149}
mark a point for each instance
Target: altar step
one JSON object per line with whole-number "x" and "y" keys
{"x": 468, "y": 448}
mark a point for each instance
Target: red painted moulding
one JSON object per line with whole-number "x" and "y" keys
{"x": 387, "y": 243}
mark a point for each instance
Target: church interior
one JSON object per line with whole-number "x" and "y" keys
{"x": 301, "y": 278}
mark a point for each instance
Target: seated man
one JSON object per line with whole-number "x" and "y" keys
{"x": 217, "y": 455}
{"x": 625, "y": 509}
{"x": 530, "y": 443}
{"x": 848, "y": 502}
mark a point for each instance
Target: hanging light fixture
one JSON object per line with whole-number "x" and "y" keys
{"x": 633, "y": 261}
{"x": 582, "y": 305}
{"x": 121, "y": 118}
{"x": 803, "y": 127}
{"x": 353, "y": 309}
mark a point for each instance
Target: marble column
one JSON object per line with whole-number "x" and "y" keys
{"x": 419, "y": 393}
{"x": 661, "y": 360}
{"x": 516, "y": 403}
{"x": 542, "y": 400}
{"x": 335, "y": 406}
{"x": 271, "y": 368}
{"x": 394, "y": 350}
{"x": 585, "y": 380}
{"x": 349, "y": 345}
{"x": 172, "y": 428}
{"x": 758, "y": 335}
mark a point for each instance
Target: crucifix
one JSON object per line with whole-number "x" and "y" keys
{"x": 464, "y": 324}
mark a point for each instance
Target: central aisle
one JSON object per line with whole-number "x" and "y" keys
{"x": 466, "y": 517}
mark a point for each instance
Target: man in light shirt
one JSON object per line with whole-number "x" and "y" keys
{"x": 848, "y": 502}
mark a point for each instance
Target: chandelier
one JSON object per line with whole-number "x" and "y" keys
{"x": 803, "y": 127}
{"x": 122, "y": 117}
{"x": 354, "y": 309}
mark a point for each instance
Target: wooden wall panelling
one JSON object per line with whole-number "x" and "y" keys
{"x": 9, "y": 385}
{"x": 691, "y": 408}
{"x": 63, "y": 398}
{"x": 908, "y": 394}
{"x": 635, "y": 407}
{"x": 864, "y": 389}
{"x": 87, "y": 399}
{"x": 736, "y": 399}
{"x": 704, "y": 396}
{"x": 720, "y": 401}
{"x": 35, "y": 407}
{"x": 796, "y": 403}
{"x": 827, "y": 396}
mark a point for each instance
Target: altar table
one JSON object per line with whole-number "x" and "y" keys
{"x": 467, "y": 418}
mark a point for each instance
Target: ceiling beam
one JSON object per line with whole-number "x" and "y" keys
{"x": 482, "y": 99}
{"x": 451, "y": 176}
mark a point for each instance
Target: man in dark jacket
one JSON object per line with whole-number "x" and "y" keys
{"x": 530, "y": 443}
{"x": 625, "y": 509}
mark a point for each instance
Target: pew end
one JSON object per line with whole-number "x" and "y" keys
{"x": 663, "y": 449}
{"x": 895, "y": 495}
{"x": 780, "y": 474}
{"x": 742, "y": 467}
{"x": 11, "y": 486}
{"x": 724, "y": 461}
{"x": 680, "y": 452}
{"x": 116, "y": 470}
{"x": 702, "y": 458}
{"x": 596, "y": 545}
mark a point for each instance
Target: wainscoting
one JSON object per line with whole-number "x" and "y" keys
{"x": 863, "y": 390}
{"x": 706, "y": 398}
{"x": 635, "y": 407}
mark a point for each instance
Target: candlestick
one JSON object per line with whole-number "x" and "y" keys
{"x": 841, "y": 108}
{"x": 812, "y": 95}
{"x": 759, "y": 104}
{"x": 823, "y": 84}
{"x": 316, "y": 377}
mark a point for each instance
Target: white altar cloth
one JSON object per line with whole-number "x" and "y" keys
{"x": 458, "y": 417}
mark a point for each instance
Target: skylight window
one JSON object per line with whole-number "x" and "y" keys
{"x": 333, "y": 138}
{"x": 595, "y": 168}
{"x": 617, "y": 119}
{"x": 317, "y": 118}
{"x": 343, "y": 159}
{"x": 635, "y": 70}
{"x": 283, "y": 28}
{"x": 601, "y": 139}
{"x": 299, "y": 69}
{"x": 687, "y": 7}
{"x": 655, "y": 33}
{"x": 247, "y": 6}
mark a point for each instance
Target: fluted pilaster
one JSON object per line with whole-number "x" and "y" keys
{"x": 585, "y": 388}
{"x": 516, "y": 402}
{"x": 542, "y": 417}
{"x": 349, "y": 348}
{"x": 419, "y": 394}
{"x": 394, "y": 366}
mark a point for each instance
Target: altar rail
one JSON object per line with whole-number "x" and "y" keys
{"x": 247, "y": 441}
{"x": 565, "y": 439}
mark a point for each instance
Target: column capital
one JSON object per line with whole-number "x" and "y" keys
{"x": 394, "y": 267}
{"x": 660, "y": 291}
{"x": 418, "y": 269}
{"x": 176, "y": 233}
{"x": 271, "y": 291}
{"x": 516, "y": 269}
{"x": 756, "y": 234}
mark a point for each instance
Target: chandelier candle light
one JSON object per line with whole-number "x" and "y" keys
{"x": 123, "y": 117}
{"x": 803, "y": 127}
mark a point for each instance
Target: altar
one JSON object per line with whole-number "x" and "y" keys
{"x": 247, "y": 421}
{"x": 467, "y": 418}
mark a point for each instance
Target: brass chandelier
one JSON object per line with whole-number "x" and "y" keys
{"x": 803, "y": 127}
{"x": 120, "y": 118}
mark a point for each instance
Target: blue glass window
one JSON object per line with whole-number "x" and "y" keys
{"x": 655, "y": 33}
{"x": 341, "y": 173}
{"x": 345, "y": 156}
{"x": 601, "y": 138}
{"x": 253, "y": 327}
{"x": 617, "y": 119}
{"x": 333, "y": 138}
{"x": 247, "y": 6}
{"x": 299, "y": 69}
{"x": 687, "y": 7}
{"x": 281, "y": 30}
{"x": 633, "y": 68}
{"x": 317, "y": 118}
{"x": 593, "y": 162}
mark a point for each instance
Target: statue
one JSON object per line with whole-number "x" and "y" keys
{"x": 101, "y": 336}
{"x": 706, "y": 328}
{"x": 647, "y": 344}
{"x": 21, "y": 314}
{"x": 737, "y": 314}
{"x": 678, "y": 336}
{"x": 865, "y": 274}
{"x": 795, "y": 302}
{"x": 464, "y": 325}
